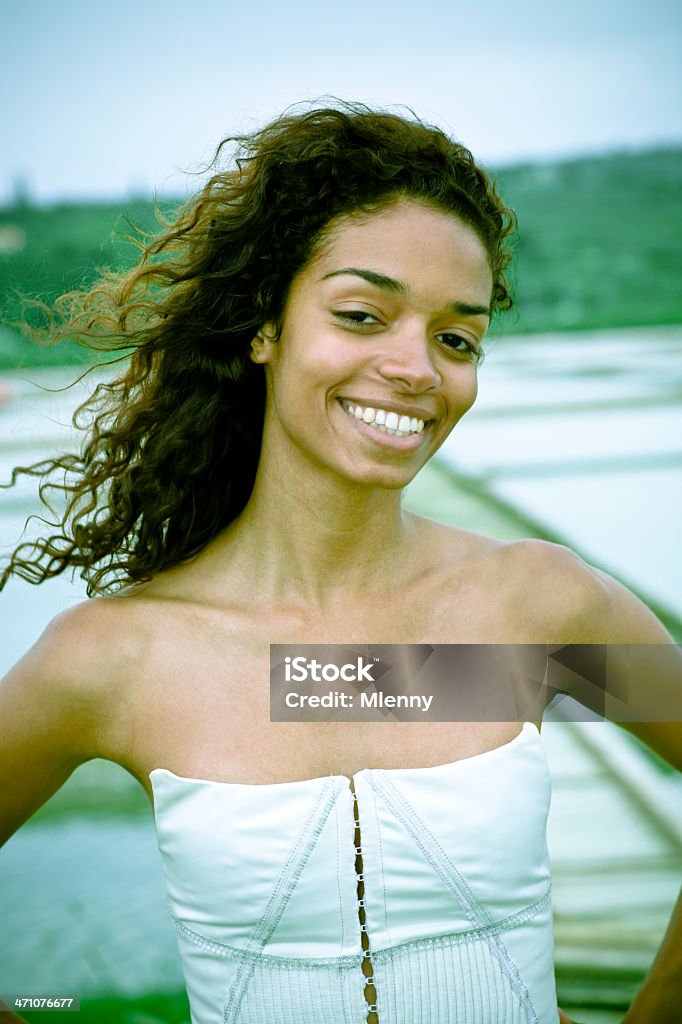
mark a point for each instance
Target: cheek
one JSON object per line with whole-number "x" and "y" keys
{"x": 474, "y": 389}
{"x": 465, "y": 391}
{"x": 298, "y": 384}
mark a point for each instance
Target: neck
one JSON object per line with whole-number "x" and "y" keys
{"x": 314, "y": 538}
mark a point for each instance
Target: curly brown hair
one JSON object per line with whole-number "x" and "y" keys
{"x": 172, "y": 444}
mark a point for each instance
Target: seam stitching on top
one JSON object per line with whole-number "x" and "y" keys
{"x": 281, "y": 893}
{"x": 338, "y": 871}
{"x": 381, "y": 861}
{"x": 349, "y": 961}
{"x": 451, "y": 877}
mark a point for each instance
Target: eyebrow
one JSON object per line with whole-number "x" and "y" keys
{"x": 390, "y": 284}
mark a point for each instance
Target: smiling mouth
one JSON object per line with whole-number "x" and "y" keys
{"x": 387, "y": 422}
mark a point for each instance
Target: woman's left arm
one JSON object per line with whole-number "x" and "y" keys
{"x": 649, "y": 684}
{"x": 659, "y": 998}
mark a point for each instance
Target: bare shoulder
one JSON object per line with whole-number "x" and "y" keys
{"x": 86, "y": 646}
{"x": 539, "y": 591}
{"x": 591, "y": 607}
{"x": 577, "y": 601}
{"x": 56, "y": 708}
{"x": 74, "y": 670}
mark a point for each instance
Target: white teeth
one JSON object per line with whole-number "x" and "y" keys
{"x": 387, "y": 422}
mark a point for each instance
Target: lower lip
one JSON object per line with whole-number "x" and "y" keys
{"x": 407, "y": 443}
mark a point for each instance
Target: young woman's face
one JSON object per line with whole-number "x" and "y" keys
{"x": 376, "y": 359}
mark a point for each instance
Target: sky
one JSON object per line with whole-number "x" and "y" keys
{"x": 113, "y": 99}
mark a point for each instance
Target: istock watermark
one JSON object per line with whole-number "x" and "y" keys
{"x": 475, "y": 682}
{"x": 300, "y": 670}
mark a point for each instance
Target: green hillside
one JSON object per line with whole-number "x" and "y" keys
{"x": 599, "y": 246}
{"x": 599, "y": 241}
{"x": 51, "y": 250}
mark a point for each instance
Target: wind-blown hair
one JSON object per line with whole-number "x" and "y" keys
{"x": 172, "y": 445}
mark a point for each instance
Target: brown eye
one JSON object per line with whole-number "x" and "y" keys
{"x": 458, "y": 343}
{"x": 356, "y": 316}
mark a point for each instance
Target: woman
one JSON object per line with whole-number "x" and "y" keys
{"x": 304, "y": 338}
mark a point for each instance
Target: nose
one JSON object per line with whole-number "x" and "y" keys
{"x": 408, "y": 360}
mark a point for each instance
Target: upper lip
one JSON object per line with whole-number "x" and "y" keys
{"x": 413, "y": 411}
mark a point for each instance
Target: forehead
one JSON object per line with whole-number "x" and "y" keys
{"x": 415, "y": 243}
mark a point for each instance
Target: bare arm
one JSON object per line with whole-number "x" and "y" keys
{"x": 651, "y": 674}
{"x": 8, "y": 1017}
{"x": 52, "y": 706}
{"x": 48, "y": 714}
{"x": 660, "y": 995}
{"x": 59, "y": 706}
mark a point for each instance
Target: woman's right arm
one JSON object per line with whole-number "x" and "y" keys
{"x": 55, "y": 710}
{"x": 48, "y": 713}
{"x": 52, "y": 706}
{"x": 8, "y": 1017}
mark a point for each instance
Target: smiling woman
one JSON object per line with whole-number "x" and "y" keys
{"x": 208, "y": 287}
{"x": 304, "y": 337}
{"x": 377, "y": 368}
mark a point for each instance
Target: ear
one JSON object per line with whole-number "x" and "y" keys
{"x": 262, "y": 343}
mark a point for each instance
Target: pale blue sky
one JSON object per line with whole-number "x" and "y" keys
{"x": 101, "y": 99}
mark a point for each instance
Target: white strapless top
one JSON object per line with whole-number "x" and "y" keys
{"x": 263, "y": 891}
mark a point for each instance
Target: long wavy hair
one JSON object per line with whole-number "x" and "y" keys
{"x": 171, "y": 445}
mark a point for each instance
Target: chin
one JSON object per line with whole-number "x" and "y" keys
{"x": 388, "y": 479}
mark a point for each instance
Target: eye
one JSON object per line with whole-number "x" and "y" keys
{"x": 358, "y": 317}
{"x": 457, "y": 343}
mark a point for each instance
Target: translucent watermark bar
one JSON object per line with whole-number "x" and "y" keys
{"x": 475, "y": 682}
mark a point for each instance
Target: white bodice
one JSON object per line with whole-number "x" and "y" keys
{"x": 263, "y": 890}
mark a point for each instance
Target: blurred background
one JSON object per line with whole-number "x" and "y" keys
{"x": 575, "y": 438}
